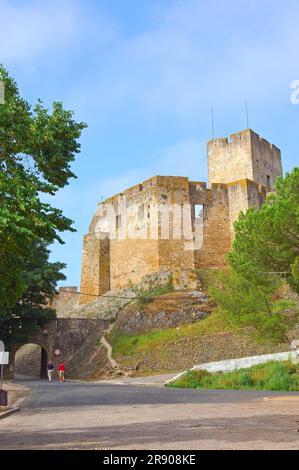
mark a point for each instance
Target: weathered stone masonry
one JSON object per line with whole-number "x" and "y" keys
{"x": 75, "y": 338}
{"x": 241, "y": 172}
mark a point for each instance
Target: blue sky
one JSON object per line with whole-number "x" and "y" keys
{"x": 144, "y": 74}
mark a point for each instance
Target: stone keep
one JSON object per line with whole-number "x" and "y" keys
{"x": 119, "y": 250}
{"x": 245, "y": 156}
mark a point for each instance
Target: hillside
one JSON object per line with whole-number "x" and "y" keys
{"x": 156, "y": 329}
{"x": 173, "y": 349}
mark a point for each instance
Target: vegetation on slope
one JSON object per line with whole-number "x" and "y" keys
{"x": 265, "y": 255}
{"x": 147, "y": 295}
{"x": 179, "y": 348}
{"x": 146, "y": 342}
{"x": 281, "y": 376}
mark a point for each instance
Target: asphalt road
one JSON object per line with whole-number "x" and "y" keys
{"x": 77, "y": 415}
{"x": 78, "y": 394}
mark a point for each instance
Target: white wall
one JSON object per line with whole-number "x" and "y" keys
{"x": 242, "y": 363}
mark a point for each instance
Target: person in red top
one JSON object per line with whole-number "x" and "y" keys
{"x": 61, "y": 370}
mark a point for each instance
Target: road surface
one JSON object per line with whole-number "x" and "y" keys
{"x": 80, "y": 415}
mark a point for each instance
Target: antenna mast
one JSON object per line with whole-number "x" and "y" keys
{"x": 212, "y": 116}
{"x": 246, "y": 110}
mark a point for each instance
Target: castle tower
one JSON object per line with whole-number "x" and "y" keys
{"x": 249, "y": 165}
{"x": 245, "y": 156}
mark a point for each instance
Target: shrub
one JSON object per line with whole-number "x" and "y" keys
{"x": 245, "y": 379}
{"x": 279, "y": 377}
{"x": 283, "y": 376}
{"x": 191, "y": 379}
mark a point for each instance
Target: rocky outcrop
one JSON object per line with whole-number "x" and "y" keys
{"x": 107, "y": 307}
{"x": 167, "y": 311}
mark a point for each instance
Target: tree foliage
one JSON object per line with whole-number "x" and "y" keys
{"x": 267, "y": 240}
{"x": 33, "y": 308}
{"x": 37, "y": 148}
{"x": 264, "y": 254}
{"x": 244, "y": 303}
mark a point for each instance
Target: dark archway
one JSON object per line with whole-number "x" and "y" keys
{"x": 30, "y": 360}
{"x": 73, "y": 338}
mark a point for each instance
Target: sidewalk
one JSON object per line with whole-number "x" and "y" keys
{"x": 16, "y": 396}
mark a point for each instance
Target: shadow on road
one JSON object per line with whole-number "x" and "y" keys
{"x": 272, "y": 429}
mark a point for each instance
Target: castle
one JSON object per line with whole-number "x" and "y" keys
{"x": 168, "y": 223}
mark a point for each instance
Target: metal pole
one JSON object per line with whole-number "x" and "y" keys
{"x": 1, "y": 376}
{"x": 247, "y": 118}
{"x": 213, "y": 130}
{"x": 2, "y": 349}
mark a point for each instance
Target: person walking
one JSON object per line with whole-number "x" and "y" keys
{"x": 50, "y": 368}
{"x": 61, "y": 370}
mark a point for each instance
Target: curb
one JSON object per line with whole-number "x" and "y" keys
{"x": 16, "y": 407}
{"x": 9, "y": 412}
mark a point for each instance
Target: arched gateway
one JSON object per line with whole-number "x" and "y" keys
{"x": 38, "y": 359}
{"x": 69, "y": 339}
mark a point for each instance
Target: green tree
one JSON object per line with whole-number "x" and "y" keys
{"x": 37, "y": 148}
{"x": 267, "y": 240}
{"x": 265, "y": 252}
{"x": 245, "y": 303}
{"x": 33, "y": 308}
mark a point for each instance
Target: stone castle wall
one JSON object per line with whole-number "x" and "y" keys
{"x": 245, "y": 156}
{"x": 216, "y": 236}
{"x": 242, "y": 195}
{"x": 95, "y": 274}
{"x": 266, "y": 162}
{"x": 230, "y": 160}
{"x": 241, "y": 172}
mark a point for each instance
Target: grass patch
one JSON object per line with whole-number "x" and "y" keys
{"x": 124, "y": 345}
{"x": 279, "y": 376}
{"x": 148, "y": 295}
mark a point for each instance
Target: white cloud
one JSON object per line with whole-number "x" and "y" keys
{"x": 30, "y": 31}
{"x": 195, "y": 55}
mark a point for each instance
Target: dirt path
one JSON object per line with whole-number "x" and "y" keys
{"x": 108, "y": 347}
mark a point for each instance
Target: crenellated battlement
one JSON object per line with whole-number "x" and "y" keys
{"x": 246, "y": 155}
